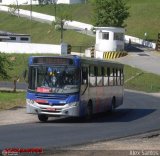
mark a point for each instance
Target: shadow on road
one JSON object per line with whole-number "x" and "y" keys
{"x": 133, "y": 48}
{"x": 119, "y": 115}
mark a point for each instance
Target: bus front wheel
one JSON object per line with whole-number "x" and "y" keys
{"x": 42, "y": 117}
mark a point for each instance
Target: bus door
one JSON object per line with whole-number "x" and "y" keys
{"x": 84, "y": 89}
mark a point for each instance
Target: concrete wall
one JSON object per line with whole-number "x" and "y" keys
{"x": 140, "y": 41}
{"x": 14, "y": 2}
{"x": 28, "y": 2}
{"x": 69, "y": 1}
{"x": 7, "y": 47}
{"x": 18, "y": 39}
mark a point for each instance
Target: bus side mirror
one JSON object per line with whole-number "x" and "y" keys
{"x": 25, "y": 72}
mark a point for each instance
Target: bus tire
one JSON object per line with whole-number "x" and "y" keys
{"x": 113, "y": 105}
{"x": 42, "y": 117}
{"x": 89, "y": 111}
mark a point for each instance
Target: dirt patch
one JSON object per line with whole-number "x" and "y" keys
{"x": 16, "y": 115}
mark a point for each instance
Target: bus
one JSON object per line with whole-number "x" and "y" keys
{"x": 73, "y": 86}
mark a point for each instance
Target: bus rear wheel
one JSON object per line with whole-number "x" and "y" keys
{"x": 113, "y": 104}
{"x": 89, "y": 112}
{"x": 42, "y": 117}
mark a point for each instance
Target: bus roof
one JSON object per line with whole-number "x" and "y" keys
{"x": 85, "y": 60}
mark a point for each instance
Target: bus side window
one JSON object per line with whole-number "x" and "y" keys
{"x": 84, "y": 75}
{"x": 121, "y": 76}
{"x": 92, "y": 76}
{"x": 111, "y": 79}
{"x": 99, "y": 76}
{"x": 106, "y": 76}
{"x": 118, "y": 77}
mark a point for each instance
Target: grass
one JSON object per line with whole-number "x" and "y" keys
{"x": 42, "y": 32}
{"x": 144, "y": 16}
{"x": 78, "y": 12}
{"x": 10, "y": 99}
{"x": 146, "y": 82}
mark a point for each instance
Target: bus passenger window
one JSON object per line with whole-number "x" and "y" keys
{"x": 106, "y": 76}
{"x": 121, "y": 76}
{"x": 99, "y": 76}
{"x": 114, "y": 77}
{"x": 92, "y": 76}
{"x": 118, "y": 77}
{"x": 111, "y": 78}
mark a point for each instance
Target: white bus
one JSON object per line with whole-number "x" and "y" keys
{"x": 73, "y": 86}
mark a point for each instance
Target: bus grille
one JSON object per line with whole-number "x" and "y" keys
{"x": 53, "y": 104}
{"x": 50, "y": 96}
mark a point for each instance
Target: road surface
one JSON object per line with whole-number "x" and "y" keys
{"x": 140, "y": 113}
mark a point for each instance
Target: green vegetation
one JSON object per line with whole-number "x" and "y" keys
{"x": 5, "y": 65}
{"x": 80, "y": 12}
{"x": 140, "y": 80}
{"x": 20, "y": 63}
{"x": 110, "y": 13}
{"x": 42, "y": 32}
{"x": 144, "y": 16}
{"x": 10, "y": 100}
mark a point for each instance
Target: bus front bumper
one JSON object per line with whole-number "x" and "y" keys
{"x": 70, "y": 109}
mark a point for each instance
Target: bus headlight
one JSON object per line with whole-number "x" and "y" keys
{"x": 31, "y": 102}
{"x": 74, "y": 104}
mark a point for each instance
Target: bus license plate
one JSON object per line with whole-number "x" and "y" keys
{"x": 51, "y": 109}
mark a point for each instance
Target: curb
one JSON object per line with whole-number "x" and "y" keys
{"x": 113, "y": 55}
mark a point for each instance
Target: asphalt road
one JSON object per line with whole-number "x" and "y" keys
{"x": 142, "y": 58}
{"x": 140, "y": 113}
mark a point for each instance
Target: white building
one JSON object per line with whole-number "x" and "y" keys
{"x": 36, "y": 2}
{"x": 13, "y": 37}
{"x": 109, "y": 39}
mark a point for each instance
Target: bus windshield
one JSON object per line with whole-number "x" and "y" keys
{"x": 54, "y": 79}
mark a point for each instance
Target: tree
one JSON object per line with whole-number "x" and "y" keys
{"x": 110, "y": 13}
{"x": 5, "y": 65}
{"x": 14, "y": 8}
{"x": 60, "y": 22}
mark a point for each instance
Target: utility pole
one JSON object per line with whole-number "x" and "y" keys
{"x": 31, "y": 10}
{"x": 61, "y": 24}
{"x": 55, "y": 8}
{"x": 17, "y": 7}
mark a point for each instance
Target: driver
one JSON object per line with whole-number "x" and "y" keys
{"x": 50, "y": 78}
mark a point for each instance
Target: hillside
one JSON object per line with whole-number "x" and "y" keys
{"x": 144, "y": 16}
{"x": 41, "y": 32}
